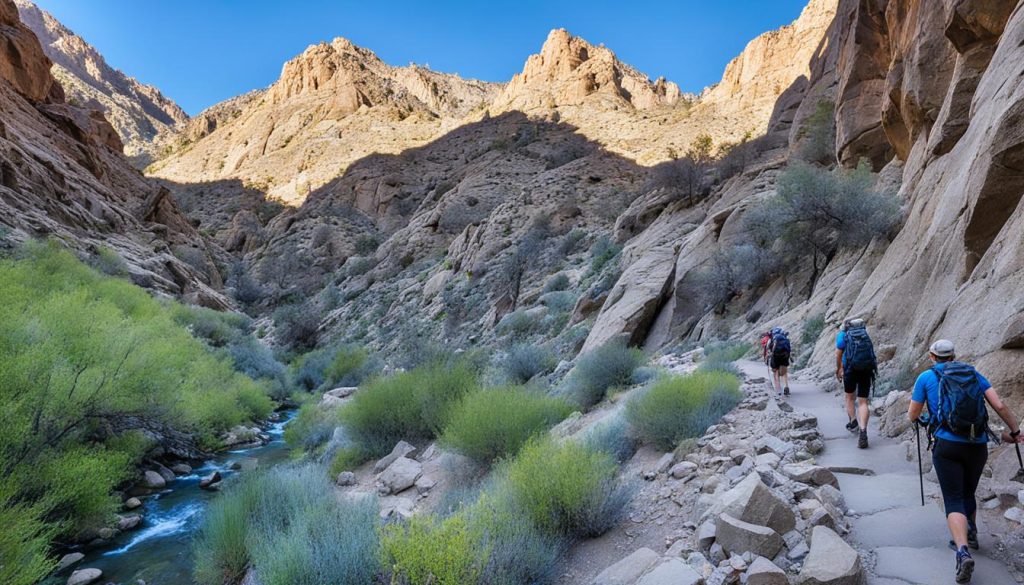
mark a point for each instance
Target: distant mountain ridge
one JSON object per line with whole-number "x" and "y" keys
{"x": 138, "y": 112}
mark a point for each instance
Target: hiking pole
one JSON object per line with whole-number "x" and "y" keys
{"x": 920, "y": 466}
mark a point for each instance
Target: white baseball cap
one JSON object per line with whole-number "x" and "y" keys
{"x": 942, "y": 348}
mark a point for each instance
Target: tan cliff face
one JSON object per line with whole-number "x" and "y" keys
{"x": 63, "y": 176}
{"x": 138, "y": 112}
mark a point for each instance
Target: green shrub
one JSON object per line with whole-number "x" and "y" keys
{"x": 366, "y": 245}
{"x": 558, "y": 282}
{"x": 217, "y": 328}
{"x": 308, "y": 371}
{"x": 679, "y": 407}
{"x": 524, "y": 361}
{"x": 819, "y": 134}
{"x": 288, "y": 525}
{"x": 312, "y": 427}
{"x": 428, "y": 552}
{"x": 413, "y": 405}
{"x": 567, "y": 245}
{"x": 558, "y": 301}
{"x": 567, "y": 489}
{"x": 812, "y": 328}
{"x": 517, "y": 324}
{"x": 81, "y": 354}
{"x": 296, "y": 325}
{"x": 255, "y": 360}
{"x": 492, "y": 424}
{"x": 603, "y": 251}
{"x": 348, "y": 366}
{"x": 613, "y": 437}
{"x": 358, "y": 265}
{"x": 24, "y": 541}
{"x": 110, "y": 263}
{"x": 609, "y": 366}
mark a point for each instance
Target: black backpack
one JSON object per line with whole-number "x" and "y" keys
{"x": 961, "y": 401}
{"x": 860, "y": 352}
{"x": 780, "y": 346}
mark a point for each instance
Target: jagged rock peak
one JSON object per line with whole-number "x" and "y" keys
{"x": 568, "y": 69}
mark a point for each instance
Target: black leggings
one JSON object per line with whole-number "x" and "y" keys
{"x": 959, "y": 467}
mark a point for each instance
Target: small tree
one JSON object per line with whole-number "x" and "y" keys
{"x": 516, "y": 265}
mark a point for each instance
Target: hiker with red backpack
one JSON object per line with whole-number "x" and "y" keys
{"x": 765, "y": 340}
{"x": 856, "y": 368}
{"x": 779, "y": 351}
{"x": 957, "y": 422}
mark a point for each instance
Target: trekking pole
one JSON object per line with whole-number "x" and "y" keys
{"x": 920, "y": 466}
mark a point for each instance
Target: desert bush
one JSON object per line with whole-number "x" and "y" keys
{"x": 245, "y": 288}
{"x": 218, "y": 328}
{"x": 494, "y": 423}
{"x": 812, "y": 329}
{"x": 725, "y": 351}
{"x": 568, "y": 243}
{"x": 413, "y": 405}
{"x": 818, "y": 212}
{"x": 255, "y": 360}
{"x": 359, "y": 265}
{"x": 110, "y": 263}
{"x": 558, "y": 301}
{"x": 428, "y": 552}
{"x": 556, "y": 283}
{"x": 519, "y": 552}
{"x": 311, "y": 428}
{"x": 613, "y": 437}
{"x": 602, "y": 252}
{"x": 733, "y": 271}
{"x": 643, "y": 375}
{"x": 678, "y": 407}
{"x": 321, "y": 235}
{"x": 524, "y": 361}
{"x": 366, "y": 245}
{"x": 515, "y": 266}
{"x": 567, "y": 489}
{"x": 308, "y": 369}
{"x": 818, "y": 133}
{"x": 290, "y": 528}
{"x": 349, "y": 366}
{"x": 609, "y": 366}
{"x": 517, "y": 324}
{"x": 296, "y": 326}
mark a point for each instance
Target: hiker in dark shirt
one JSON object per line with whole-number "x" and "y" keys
{"x": 856, "y": 367}
{"x": 956, "y": 395}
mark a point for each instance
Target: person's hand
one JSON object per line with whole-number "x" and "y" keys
{"x": 1009, "y": 438}
{"x": 839, "y": 374}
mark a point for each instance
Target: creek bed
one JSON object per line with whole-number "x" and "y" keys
{"x": 159, "y": 551}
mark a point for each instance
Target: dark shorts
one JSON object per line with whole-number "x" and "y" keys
{"x": 777, "y": 362}
{"x": 857, "y": 382}
{"x": 958, "y": 467}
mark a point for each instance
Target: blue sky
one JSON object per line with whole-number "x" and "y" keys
{"x": 199, "y": 52}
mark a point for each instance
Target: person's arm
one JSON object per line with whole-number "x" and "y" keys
{"x": 997, "y": 404}
{"x": 839, "y": 365}
{"x": 917, "y": 399}
{"x": 915, "y": 410}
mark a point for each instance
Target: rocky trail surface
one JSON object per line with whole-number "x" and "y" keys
{"x": 900, "y": 541}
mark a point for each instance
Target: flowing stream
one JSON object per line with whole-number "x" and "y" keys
{"x": 159, "y": 552}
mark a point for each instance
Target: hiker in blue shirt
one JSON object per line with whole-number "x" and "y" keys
{"x": 856, "y": 367}
{"x": 961, "y": 441}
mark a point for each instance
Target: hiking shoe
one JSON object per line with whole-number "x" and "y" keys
{"x": 964, "y": 565}
{"x": 862, "y": 442}
{"x": 786, "y": 391}
{"x": 853, "y": 425}
{"x": 972, "y": 539}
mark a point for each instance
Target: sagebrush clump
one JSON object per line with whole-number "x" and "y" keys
{"x": 680, "y": 407}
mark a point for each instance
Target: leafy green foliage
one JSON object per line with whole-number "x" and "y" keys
{"x": 492, "y": 424}
{"x": 818, "y": 134}
{"x": 557, "y": 282}
{"x": 290, "y": 528}
{"x": 812, "y": 328}
{"x": 312, "y": 427}
{"x": 602, "y": 252}
{"x": 427, "y": 552}
{"x": 409, "y": 405}
{"x": 609, "y": 366}
{"x": 110, "y": 263}
{"x": 678, "y": 407}
{"x": 81, "y": 353}
{"x": 350, "y": 365}
{"x": 567, "y": 489}
{"x": 517, "y": 324}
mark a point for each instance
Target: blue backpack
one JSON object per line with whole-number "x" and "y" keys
{"x": 961, "y": 401}
{"x": 859, "y": 352}
{"x": 780, "y": 346}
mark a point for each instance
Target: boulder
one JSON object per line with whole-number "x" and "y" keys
{"x": 402, "y": 449}
{"x": 181, "y": 469}
{"x": 129, "y": 522}
{"x": 85, "y": 576}
{"x": 342, "y": 392}
{"x": 132, "y": 503}
{"x": 764, "y": 572}
{"x": 754, "y": 502}
{"x": 672, "y": 572}
{"x": 706, "y": 535}
{"x": 68, "y": 560}
{"x": 399, "y": 476}
{"x": 772, "y": 444}
{"x": 665, "y": 463}
{"x": 153, "y": 480}
{"x": 1014, "y": 514}
{"x": 629, "y": 569}
{"x": 346, "y": 478}
{"x": 424, "y": 484}
{"x": 210, "y": 480}
{"x": 682, "y": 469}
{"x": 396, "y": 507}
{"x": 831, "y": 561}
{"x": 810, "y": 474}
{"x": 737, "y": 536}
